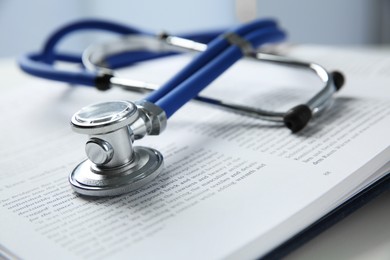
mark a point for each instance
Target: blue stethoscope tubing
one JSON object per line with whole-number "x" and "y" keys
{"x": 41, "y": 64}
{"x": 113, "y": 166}
{"x": 219, "y": 50}
{"x": 206, "y": 67}
{"x": 219, "y": 56}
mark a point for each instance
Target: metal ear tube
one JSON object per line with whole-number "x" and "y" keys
{"x": 114, "y": 166}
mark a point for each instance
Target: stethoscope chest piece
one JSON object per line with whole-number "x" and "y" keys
{"x": 113, "y": 166}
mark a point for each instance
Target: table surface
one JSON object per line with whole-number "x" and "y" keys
{"x": 365, "y": 234}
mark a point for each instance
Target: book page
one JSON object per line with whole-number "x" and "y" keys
{"x": 232, "y": 186}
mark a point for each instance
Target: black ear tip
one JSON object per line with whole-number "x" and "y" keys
{"x": 338, "y": 79}
{"x": 297, "y": 118}
{"x": 102, "y": 82}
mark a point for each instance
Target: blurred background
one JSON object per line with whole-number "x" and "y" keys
{"x": 24, "y": 25}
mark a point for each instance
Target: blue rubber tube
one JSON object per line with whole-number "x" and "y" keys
{"x": 91, "y": 24}
{"x": 41, "y": 64}
{"x": 100, "y": 25}
{"x": 32, "y": 65}
{"x": 214, "y": 48}
{"x": 191, "y": 87}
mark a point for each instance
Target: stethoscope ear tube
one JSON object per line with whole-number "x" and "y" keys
{"x": 41, "y": 64}
{"x": 298, "y": 117}
{"x": 210, "y": 64}
{"x": 82, "y": 25}
{"x": 332, "y": 81}
{"x": 216, "y": 57}
{"x": 31, "y": 63}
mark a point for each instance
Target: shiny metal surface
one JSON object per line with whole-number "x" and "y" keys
{"x": 114, "y": 166}
{"x": 152, "y": 120}
{"x": 121, "y": 142}
{"x": 154, "y": 117}
{"x": 91, "y": 180}
{"x": 322, "y": 99}
{"x": 99, "y": 151}
{"x": 245, "y": 46}
{"x": 179, "y": 43}
{"x": 104, "y": 117}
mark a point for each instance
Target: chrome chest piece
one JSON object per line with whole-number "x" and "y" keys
{"x": 114, "y": 166}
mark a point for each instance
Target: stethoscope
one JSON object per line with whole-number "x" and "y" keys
{"x": 114, "y": 166}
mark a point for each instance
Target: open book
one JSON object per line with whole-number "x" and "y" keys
{"x": 233, "y": 186}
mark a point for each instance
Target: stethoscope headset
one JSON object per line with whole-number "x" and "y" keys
{"x": 114, "y": 166}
